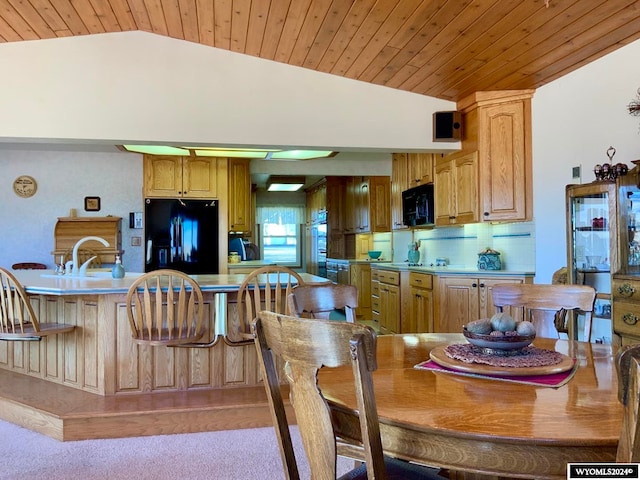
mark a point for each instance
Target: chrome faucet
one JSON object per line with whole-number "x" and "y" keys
{"x": 82, "y": 270}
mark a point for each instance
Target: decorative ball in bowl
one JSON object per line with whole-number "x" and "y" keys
{"x": 499, "y": 336}
{"x": 374, "y": 254}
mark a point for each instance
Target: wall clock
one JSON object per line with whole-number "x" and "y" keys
{"x": 25, "y": 186}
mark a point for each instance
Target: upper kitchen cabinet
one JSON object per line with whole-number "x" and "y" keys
{"x": 316, "y": 202}
{"x": 240, "y": 205}
{"x": 368, "y": 205}
{"x": 399, "y": 183}
{"x": 456, "y": 190}
{"x": 496, "y": 125}
{"x": 185, "y": 177}
{"x": 420, "y": 168}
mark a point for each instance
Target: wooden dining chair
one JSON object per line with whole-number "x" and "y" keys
{"x": 28, "y": 266}
{"x": 165, "y": 307}
{"x": 265, "y": 288}
{"x": 537, "y": 302}
{"x": 308, "y": 345}
{"x": 628, "y": 371}
{"x": 330, "y": 301}
{"x": 18, "y": 320}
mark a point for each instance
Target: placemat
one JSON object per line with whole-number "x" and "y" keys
{"x": 554, "y": 380}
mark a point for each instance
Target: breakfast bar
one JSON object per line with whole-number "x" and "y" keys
{"x": 100, "y": 358}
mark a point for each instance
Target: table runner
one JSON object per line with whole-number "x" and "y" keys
{"x": 554, "y": 380}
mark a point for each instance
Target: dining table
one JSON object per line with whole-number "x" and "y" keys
{"x": 481, "y": 426}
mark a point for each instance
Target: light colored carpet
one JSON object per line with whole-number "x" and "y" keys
{"x": 229, "y": 455}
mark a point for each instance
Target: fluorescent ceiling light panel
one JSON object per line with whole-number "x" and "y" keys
{"x": 285, "y": 183}
{"x": 300, "y": 154}
{"x": 157, "y": 149}
{"x": 230, "y": 153}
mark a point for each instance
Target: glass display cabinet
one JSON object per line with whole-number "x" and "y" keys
{"x": 592, "y": 247}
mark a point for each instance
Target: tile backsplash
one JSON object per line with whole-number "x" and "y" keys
{"x": 461, "y": 245}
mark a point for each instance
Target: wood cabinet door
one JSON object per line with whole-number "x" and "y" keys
{"x": 379, "y": 204}
{"x": 465, "y": 179}
{"x": 389, "y": 308}
{"x": 505, "y": 172}
{"x": 399, "y": 183}
{"x": 363, "y": 199}
{"x": 421, "y": 311}
{"x": 444, "y": 193}
{"x": 239, "y": 195}
{"x": 420, "y": 168}
{"x": 350, "y": 207}
{"x": 458, "y": 303}
{"x": 361, "y": 278}
{"x": 162, "y": 176}
{"x": 485, "y": 285}
{"x": 200, "y": 177}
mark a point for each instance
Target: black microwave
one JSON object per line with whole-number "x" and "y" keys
{"x": 417, "y": 206}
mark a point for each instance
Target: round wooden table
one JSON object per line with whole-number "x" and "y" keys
{"x": 482, "y": 426}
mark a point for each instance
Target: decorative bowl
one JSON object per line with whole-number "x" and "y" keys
{"x": 504, "y": 345}
{"x": 374, "y": 253}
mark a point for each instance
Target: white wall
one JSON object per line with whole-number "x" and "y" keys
{"x": 575, "y": 120}
{"x": 64, "y": 178}
{"x": 141, "y": 87}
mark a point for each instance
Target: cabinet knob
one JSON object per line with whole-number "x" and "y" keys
{"x": 486, "y": 214}
{"x": 626, "y": 290}
{"x": 629, "y": 319}
{"x": 482, "y": 285}
{"x": 474, "y": 285}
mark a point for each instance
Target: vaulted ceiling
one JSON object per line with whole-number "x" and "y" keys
{"x": 442, "y": 48}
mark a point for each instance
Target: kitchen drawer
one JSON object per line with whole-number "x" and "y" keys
{"x": 625, "y": 290}
{"x": 421, "y": 280}
{"x": 626, "y": 318}
{"x": 374, "y": 274}
{"x": 375, "y": 304}
{"x": 375, "y": 316}
{"x": 389, "y": 277}
{"x": 375, "y": 288}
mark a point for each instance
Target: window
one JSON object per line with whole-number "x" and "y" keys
{"x": 281, "y": 241}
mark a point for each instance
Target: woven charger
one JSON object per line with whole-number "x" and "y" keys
{"x": 531, "y": 361}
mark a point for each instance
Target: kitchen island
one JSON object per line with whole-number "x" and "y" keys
{"x": 98, "y": 358}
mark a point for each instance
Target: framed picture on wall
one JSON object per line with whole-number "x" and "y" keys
{"x": 92, "y": 204}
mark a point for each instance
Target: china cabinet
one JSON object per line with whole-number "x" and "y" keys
{"x": 626, "y": 276}
{"x": 168, "y": 176}
{"x": 592, "y": 245}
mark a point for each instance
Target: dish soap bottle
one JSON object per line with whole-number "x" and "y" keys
{"x": 118, "y": 270}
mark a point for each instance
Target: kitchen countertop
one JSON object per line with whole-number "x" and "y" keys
{"x": 450, "y": 270}
{"x": 46, "y": 282}
{"x": 250, "y": 263}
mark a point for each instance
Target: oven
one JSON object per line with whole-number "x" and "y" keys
{"x": 332, "y": 271}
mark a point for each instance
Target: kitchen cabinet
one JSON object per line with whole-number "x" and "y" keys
{"x": 456, "y": 190}
{"x": 461, "y": 299}
{"x": 391, "y": 304}
{"x": 399, "y": 183}
{"x": 180, "y": 177}
{"x": 375, "y": 299}
{"x": 420, "y": 168}
{"x": 240, "y": 205}
{"x": 421, "y": 318}
{"x": 335, "y": 194}
{"x": 316, "y": 199}
{"x": 368, "y": 204}
{"x": 360, "y": 277}
{"x": 497, "y": 129}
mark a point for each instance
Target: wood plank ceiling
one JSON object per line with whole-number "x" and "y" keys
{"x": 442, "y": 48}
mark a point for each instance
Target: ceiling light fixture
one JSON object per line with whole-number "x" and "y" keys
{"x": 261, "y": 153}
{"x": 284, "y": 183}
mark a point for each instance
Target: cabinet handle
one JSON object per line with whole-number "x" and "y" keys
{"x": 629, "y": 319}
{"x": 626, "y": 290}
{"x": 417, "y": 280}
{"x": 482, "y": 285}
{"x": 486, "y": 214}
{"x": 474, "y": 285}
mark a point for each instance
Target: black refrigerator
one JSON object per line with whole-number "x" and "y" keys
{"x": 181, "y": 235}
